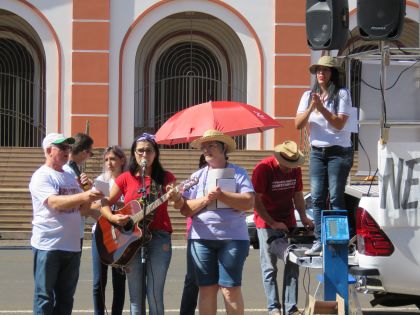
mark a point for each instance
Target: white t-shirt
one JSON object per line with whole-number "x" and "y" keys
{"x": 69, "y": 170}
{"x": 53, "y": 229}
{"x": 322, "y": 134}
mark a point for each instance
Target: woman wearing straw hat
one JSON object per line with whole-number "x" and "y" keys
{"x": 326, "y": 109}
{"x": 218, "y": 235}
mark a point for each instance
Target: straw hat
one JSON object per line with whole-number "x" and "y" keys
{"x": 288, "y": 154}
{"x": 215, "y": 135}
{"x": 326, "y": 61}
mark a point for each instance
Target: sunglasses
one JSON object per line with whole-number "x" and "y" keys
{"x": 62, "y": 146}
{"x": 89, "y": 152}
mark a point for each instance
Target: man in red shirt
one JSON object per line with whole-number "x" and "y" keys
{"x": 278, "y": 185}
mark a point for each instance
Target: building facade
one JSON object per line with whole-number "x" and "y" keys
{"x": 121, "y": 67}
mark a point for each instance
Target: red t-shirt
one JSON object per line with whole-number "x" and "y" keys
{"x": 130, "y": 185}
{"x": 277, "y": 189}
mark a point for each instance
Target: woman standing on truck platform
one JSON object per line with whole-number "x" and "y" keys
{"x": 326, "y": 108}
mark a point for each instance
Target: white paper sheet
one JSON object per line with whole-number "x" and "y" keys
{"x": 102, "y": 186}
{"x": 225, "y": 184}
{"x": 212, "y": 177}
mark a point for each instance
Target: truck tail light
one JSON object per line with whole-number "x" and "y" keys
{"x": 371, "y": 240}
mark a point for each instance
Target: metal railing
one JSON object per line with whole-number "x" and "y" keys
{"x": 22, "y": 92}
{"x": 186, "y": 74}
{"x": 19, "y": 130}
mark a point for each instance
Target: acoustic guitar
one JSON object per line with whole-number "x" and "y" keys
{"x": 117, "y": 244}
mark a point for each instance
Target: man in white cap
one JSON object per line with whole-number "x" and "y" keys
{"x": 278, "y": 185}
{"x": 58, "y": 202}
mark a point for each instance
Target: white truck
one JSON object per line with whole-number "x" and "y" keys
{"x": 385, "y": 213}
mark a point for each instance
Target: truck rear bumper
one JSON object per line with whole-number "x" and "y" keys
{"x": 367, "y": 280}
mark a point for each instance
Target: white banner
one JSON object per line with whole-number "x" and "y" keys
{"x": 399, "y": 173}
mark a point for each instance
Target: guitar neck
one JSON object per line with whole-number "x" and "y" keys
{"x": 180, "y": 188}
{"x": 139, "y": 216}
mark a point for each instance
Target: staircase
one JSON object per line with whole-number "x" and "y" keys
{"x": 18, "y": 164}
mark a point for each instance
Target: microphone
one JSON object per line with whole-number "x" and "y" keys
{"x": 76, "y": 170}
{"x": 143, "y": 165}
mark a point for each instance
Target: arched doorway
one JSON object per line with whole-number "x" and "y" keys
{"x": 22, "y": 83}
{"x": 186, "y": 59}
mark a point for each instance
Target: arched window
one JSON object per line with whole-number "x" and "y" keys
{"x": 186, "y": 74}
{"x": 22, "y": 97}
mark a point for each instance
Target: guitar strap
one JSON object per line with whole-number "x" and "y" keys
{"x": 155, "y": 192}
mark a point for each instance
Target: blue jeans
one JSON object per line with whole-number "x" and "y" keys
{"x": 219, "y": 261}
{"x": 56, "y": 273}
{"x": 159, "y": 254}
{"x": 269, "y": 273}
{"x": 100, "y": 277}
{"x": 329, "y": 169}
{"x": 190, "y": 292}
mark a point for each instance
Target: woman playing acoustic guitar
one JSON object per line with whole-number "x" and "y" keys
{"x": 145, "y": 159}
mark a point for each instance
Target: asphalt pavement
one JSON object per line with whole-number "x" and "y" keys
{"x": 16, "y": 284}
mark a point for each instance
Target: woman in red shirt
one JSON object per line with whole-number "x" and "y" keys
{"x": 144, "y": 166}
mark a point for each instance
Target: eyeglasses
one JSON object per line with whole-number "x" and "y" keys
{"x": 208, "y": 146}
{"x": 141, "y": 151}
{"x": 62, "y": 147}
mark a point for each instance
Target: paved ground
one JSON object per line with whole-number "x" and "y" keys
{"x": 16, "y": 283}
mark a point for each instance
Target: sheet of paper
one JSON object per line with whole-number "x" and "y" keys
{"x": 102, "y": 186}
{"x": 212, "y": 176}
{"x": 215, "y": 174}
{"x": 225, "y": 184}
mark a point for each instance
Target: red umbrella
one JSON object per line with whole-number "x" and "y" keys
{"x": 231, "y": 118}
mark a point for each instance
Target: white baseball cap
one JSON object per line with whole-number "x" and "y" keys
{"x": 55, "y": 138}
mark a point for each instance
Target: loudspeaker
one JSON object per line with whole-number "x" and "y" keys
{"x": 327, "y": 23}
{"x": 380, "y": 19}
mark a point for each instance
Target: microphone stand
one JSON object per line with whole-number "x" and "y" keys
{"x": 143, "y": 249}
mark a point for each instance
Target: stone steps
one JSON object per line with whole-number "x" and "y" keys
{"x": 18, "y": 164}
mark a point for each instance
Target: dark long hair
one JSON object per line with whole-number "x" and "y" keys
{"x": 202, "y": 161}
{"x": 334, "y": 86}
{"x": 158, "y": 172}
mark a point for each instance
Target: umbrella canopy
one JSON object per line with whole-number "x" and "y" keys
{"x": 231, "y": 118}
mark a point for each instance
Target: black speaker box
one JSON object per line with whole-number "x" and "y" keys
{"x": 327, "y": 23}
{"x": 380, "y": 19}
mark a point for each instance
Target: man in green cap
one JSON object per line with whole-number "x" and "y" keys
{"x": 58, "y": 202}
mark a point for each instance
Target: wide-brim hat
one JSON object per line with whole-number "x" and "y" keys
{"x": 215, "y": 135}
{"x": 56, "y": 138}
{"x": 288, "y": 154}
{"x": 326, "y": 61}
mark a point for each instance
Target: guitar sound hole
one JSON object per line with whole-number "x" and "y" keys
{"x": 128, "y": 226}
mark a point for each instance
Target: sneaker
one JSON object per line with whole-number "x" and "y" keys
{"x": 296, "y": 313}
{"x": 315, "y": 250}
{"x": 274, "y": 312}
